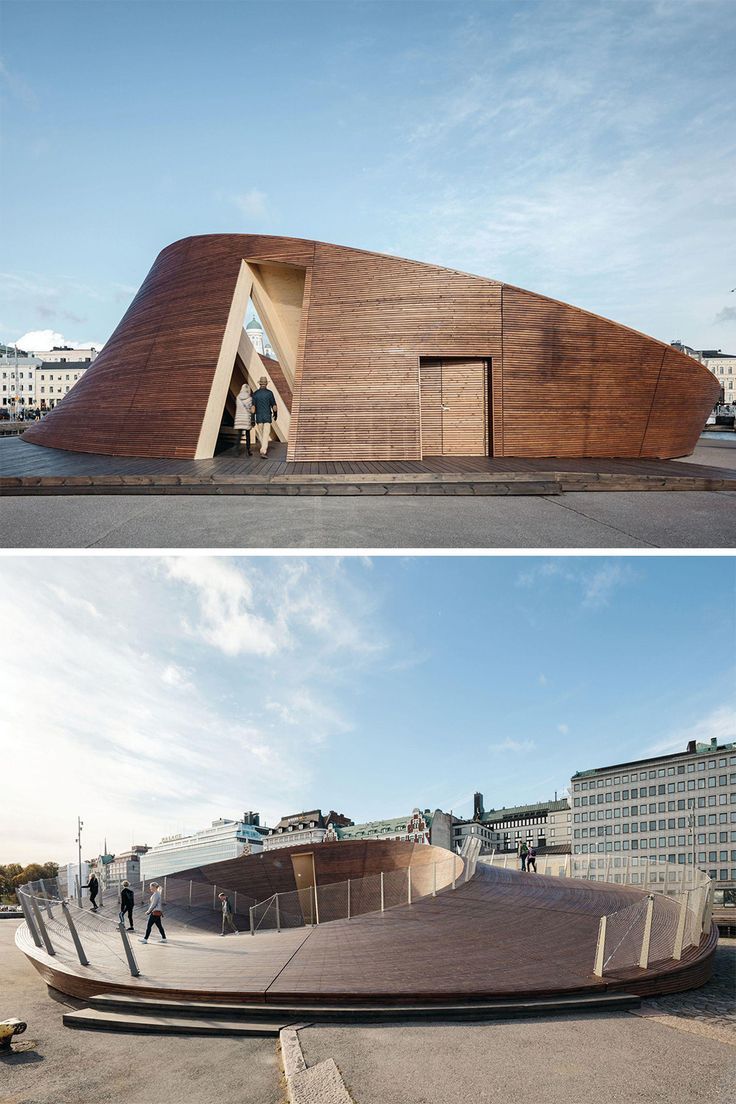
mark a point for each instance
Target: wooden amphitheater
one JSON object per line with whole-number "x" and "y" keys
{"x": 377, "y": 359}
{"x": 469, "y": 940}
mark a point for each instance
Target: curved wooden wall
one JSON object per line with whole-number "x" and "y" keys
{"x": 564, "y": 382}
{"x": 258, "y": 876}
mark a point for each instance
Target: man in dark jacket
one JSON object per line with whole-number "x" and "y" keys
{"x": 127, "y": 900}
{"x": 264, "y": 403}
{"x": 94, "y": 888}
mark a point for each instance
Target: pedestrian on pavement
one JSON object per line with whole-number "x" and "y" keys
{"x": 244, "y": 417}
{"x": 531, "y": 859}
{"x": 154, "y": 912}
{"x": 227, "y": 914}
{"x": 94, "y": 888}
{"x": 523, "y": 851}
{"x": 127, "y": 900}
{"x": 266, "y": 412}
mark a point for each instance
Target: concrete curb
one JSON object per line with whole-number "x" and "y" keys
{"x": 320, "y": 1084}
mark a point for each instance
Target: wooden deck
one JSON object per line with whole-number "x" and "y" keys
{"x": 27, "y": 469}
{"x": 502, "y": 935}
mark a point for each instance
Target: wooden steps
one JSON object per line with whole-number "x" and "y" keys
{"x": 122, "y": 1013}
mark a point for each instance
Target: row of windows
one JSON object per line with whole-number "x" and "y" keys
{"x": 660, "y": 772}
{"x": 653, "y": 791}
{"x": 20, "y": 375}
{"x": 624, "y": 811}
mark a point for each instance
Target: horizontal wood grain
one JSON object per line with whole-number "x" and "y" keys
{"x": 565, "y": 383}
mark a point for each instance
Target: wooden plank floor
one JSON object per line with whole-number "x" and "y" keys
{"x": 41, "y": 468}
{"x": 503, "y": 934}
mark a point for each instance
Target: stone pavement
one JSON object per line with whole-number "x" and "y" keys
{"x": 710, "y": 1011}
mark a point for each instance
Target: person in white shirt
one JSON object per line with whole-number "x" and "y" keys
{"x": 155, "y": 913}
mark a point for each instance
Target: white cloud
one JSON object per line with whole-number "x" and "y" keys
{"x": 718, "y": 725}
{"x": 176, "y": 676}
{"x": 104, "y": 725}
{"x": 514, "y": 745}
{"x": 46, "y": 340}
{"x": 72, "y": 600}
{"x": 252, "y": 203}
{"x": 228, "y": 619}
{"x": 595, "y": 585}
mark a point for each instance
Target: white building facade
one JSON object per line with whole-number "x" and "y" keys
{"x": 224, "y": 839}
{"x": 30, "y": 382}
{"x": 678, "y": 808}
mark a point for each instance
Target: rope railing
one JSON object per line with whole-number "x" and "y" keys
{"x": 57, "y": 924}
{"x": 672, "y": 917}
{"x": 321, "y": 904}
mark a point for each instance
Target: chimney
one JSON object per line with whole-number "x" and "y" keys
{"x": 713, "y": 742}
{"x": 691, "y": 747}
{"x": 478, "y": 806}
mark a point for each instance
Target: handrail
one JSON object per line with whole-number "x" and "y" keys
{"x": 345, "y": 900}
{"x": 672, "y": 916}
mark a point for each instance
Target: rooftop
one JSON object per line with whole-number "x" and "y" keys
{"x": 692, "y": 748}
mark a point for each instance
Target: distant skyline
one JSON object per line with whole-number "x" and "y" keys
{"x": 582, "y": 150}
{"x": 152, "y": 694}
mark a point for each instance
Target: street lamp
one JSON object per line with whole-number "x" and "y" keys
{"x": 80, "y": 825}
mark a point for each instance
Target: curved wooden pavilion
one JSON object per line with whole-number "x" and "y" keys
{"x": 501, "y": 935}
{"x": 379, "y": 358}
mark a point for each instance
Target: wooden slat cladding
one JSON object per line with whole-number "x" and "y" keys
{"x": 565, "y": 383}
{"x": 370, "y": 320}
{"x": 578, "y": 385}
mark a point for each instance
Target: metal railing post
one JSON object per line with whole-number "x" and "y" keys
{"x": 164, "y": 889}
{"x": 42, "y": 927}
{"x": 190, "y": 892}
{"x": 316, "y": 905}
{"x": 132, "y": 964}
{"x": 568, "y": 864}
{"x": 252, "y": 926}
{"x": 348, "y": 899}
{"x": 46, "y": 898}
{"x": 505, "y": 862}
{"x": 278, "y": 915}
{"x": 382, "y": 908}
{"x": 84, "y": 961}
{"x": 235, "y": 903}
{"x": 600, "y": 948}
{"x": 30, "y": 922}
{"x": 681, "y": 920}
{"x": 408, "y": 885}
{"x": 214, "y": 897}
{"x": 434, "y": 879}
{"x": 647, "y": 938}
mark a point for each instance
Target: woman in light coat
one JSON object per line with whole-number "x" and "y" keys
{"x": 154, "y": 912}
{"x": 244, "y": 417}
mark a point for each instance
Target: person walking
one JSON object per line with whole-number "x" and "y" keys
{"x": 94, "y": 888}
{"x": 531, "y": 859}
{"x": 227, "y": 914}
{"x": 154, "y": 912}
{"x": 127, "y": 900}
{"x": 264, "y": 402}
{"x": 523, "y": 852}
{"x": 244, "y": 417}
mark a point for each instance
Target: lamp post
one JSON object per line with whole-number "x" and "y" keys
{"x": 80, "y": 825}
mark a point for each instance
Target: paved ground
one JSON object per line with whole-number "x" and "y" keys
{"x": 671, "y": 519}
{"x": 86, "y": 1067}
{"x": 573, "y": 1059}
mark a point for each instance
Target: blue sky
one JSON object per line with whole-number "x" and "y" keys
{"x": 165, "y": 692}
{"x": 584, "y": 150}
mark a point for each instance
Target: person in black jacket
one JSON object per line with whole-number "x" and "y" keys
{"x": 94, "y": 888}
{"x": 127, "y": 900}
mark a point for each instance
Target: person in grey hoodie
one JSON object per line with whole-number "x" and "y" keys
{"x": 154, "y": 912}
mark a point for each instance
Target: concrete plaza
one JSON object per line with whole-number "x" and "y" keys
{"x": 651, "y": 519}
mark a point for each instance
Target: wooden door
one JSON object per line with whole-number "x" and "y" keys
{"x": 305, "y": 883}
{"x": 454, "y": 395}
